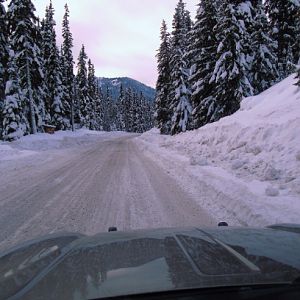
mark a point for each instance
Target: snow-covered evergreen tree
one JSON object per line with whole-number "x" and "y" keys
{"x": 298, "y": 73}
{"x": 189, "y": 39}
{"x": 60, "y": 107}
{"x": 82, "y": 89}
{"x": 107, "y": 103}
{"x": 285, "y": 30}
{"x": 150, "y": 115}
{"x": 3, "y": 58}
{"x": 246, "y": 13}
{"x": 135, "y": 113}
{"x": 231, "y": 69}
{"x": 203, "y": 53}
{"x": 53, "y": 73}
{"x": 99, "y": 108}
{"x": 180, "y": 71}
{"x": 92, "y": 95}
{"x": 163, "y": 112}
{"x": 15, "y": 124}
{"x": 296, "y": 47}
{"x": 127, "y": 109}
{"x": 188, "y": 21}
{"x": 23, "y": 40}
{"x": 68, "y": 78}
{"x": 264, "y": 69}
{"x": 121, "y": 110}
{"x": 48, "y": 36}
{"x": 146, "y": 115}
{"x": 40, "y": 91}
{"x": 3, "y": 49}
{"x": 113, "y": 114}
{"x": 141, "y": 114}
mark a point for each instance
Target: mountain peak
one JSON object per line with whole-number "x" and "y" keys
{"x": 114, "y": 86}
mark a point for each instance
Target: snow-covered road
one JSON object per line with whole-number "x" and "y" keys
{"x": 244, "y": 169}
{"x": 108, "y": 182}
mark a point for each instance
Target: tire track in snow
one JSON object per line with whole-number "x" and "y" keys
{"x": 111, "y": 183}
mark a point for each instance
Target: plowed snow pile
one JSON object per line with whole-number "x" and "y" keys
{"x": 32, "y": 145}
{"x": 257, "y": 149}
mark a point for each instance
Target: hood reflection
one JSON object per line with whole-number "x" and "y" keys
{"x": 109, "y": 265}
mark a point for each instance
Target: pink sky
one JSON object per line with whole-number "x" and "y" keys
{"x": 121, "y": 36}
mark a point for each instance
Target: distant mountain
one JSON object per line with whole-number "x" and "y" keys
{"x": 115, "y": 83}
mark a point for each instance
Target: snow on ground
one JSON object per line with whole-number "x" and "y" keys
{"x": 244, "y": 169}
{"x": 33, "y": 144}
{"x": 253, "y": 157}
{"x": 42, "y": 148}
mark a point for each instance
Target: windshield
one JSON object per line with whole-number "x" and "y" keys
{"x": 140, "y": 115}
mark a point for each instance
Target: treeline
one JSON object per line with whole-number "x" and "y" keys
{"x": 132, "y": 112}
{"x": 234, "y": 49}
{"x": 95, "y": 109}
{"x": 38, "y": 86}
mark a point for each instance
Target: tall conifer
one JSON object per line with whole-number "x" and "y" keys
{"x": 23, "y": 40}
{"x": 163, "y": 112}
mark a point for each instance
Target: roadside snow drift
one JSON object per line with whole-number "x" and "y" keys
{"x": 36, "y": 149}
{"x": 256, "y": 149}
{"x": 33, "y": 144}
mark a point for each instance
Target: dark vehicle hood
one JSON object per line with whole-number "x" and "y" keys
{"x": 71, "y": 266}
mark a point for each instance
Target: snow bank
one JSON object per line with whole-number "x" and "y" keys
{"x": 258, "y": 148}
{"x": 32, "y": 144}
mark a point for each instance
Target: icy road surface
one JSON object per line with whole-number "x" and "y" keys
{"x": 89, "y": 187}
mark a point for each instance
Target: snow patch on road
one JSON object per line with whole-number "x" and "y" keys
{"x": 252, "y": 157}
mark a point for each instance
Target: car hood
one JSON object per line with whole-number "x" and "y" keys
{"x": 72, "y": 266}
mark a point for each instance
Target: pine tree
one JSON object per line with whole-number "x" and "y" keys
{"x": 298, "y": 74}
{"x": 246, "y": 13}
{"x": 92, "y": 95}
{"x": 127, "y": 110}
{"x": 188, "y": 23}
{"x": 3, "y": 58}
{"x": 203, "y": 50}
{"x": 179, "y": 71}
{"x": 99, "y": 107}
{"x": 284, "y": 30}
{"x": 107, "y": 110}
{"x": 296, "y": 46}
{"x": 47, "y": 31}
{"x": 53, "y": 73}
{"x": 3, "y": 48}
{"x": 24, "y": 40}
{"x": 121, "y": 109}
{"x": 82, "y": 89}
{"x": 135, "y": 112}
{"x": 113, "y": 115}
{"x": 40, "y": 92}
{"x": 68, "y": 78}
{"x": 264, "y": 69}
{"x": 163, "y": 112}
{"x": 146, "y": 114}
{"x": 189, "y": 39}
{"x": 148, "y": 111}
{"x": 15, "y": 124}
{"x": 60, "y": 117}
{"x": 142, "y": 114}
{"x": 231, "y": 69}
